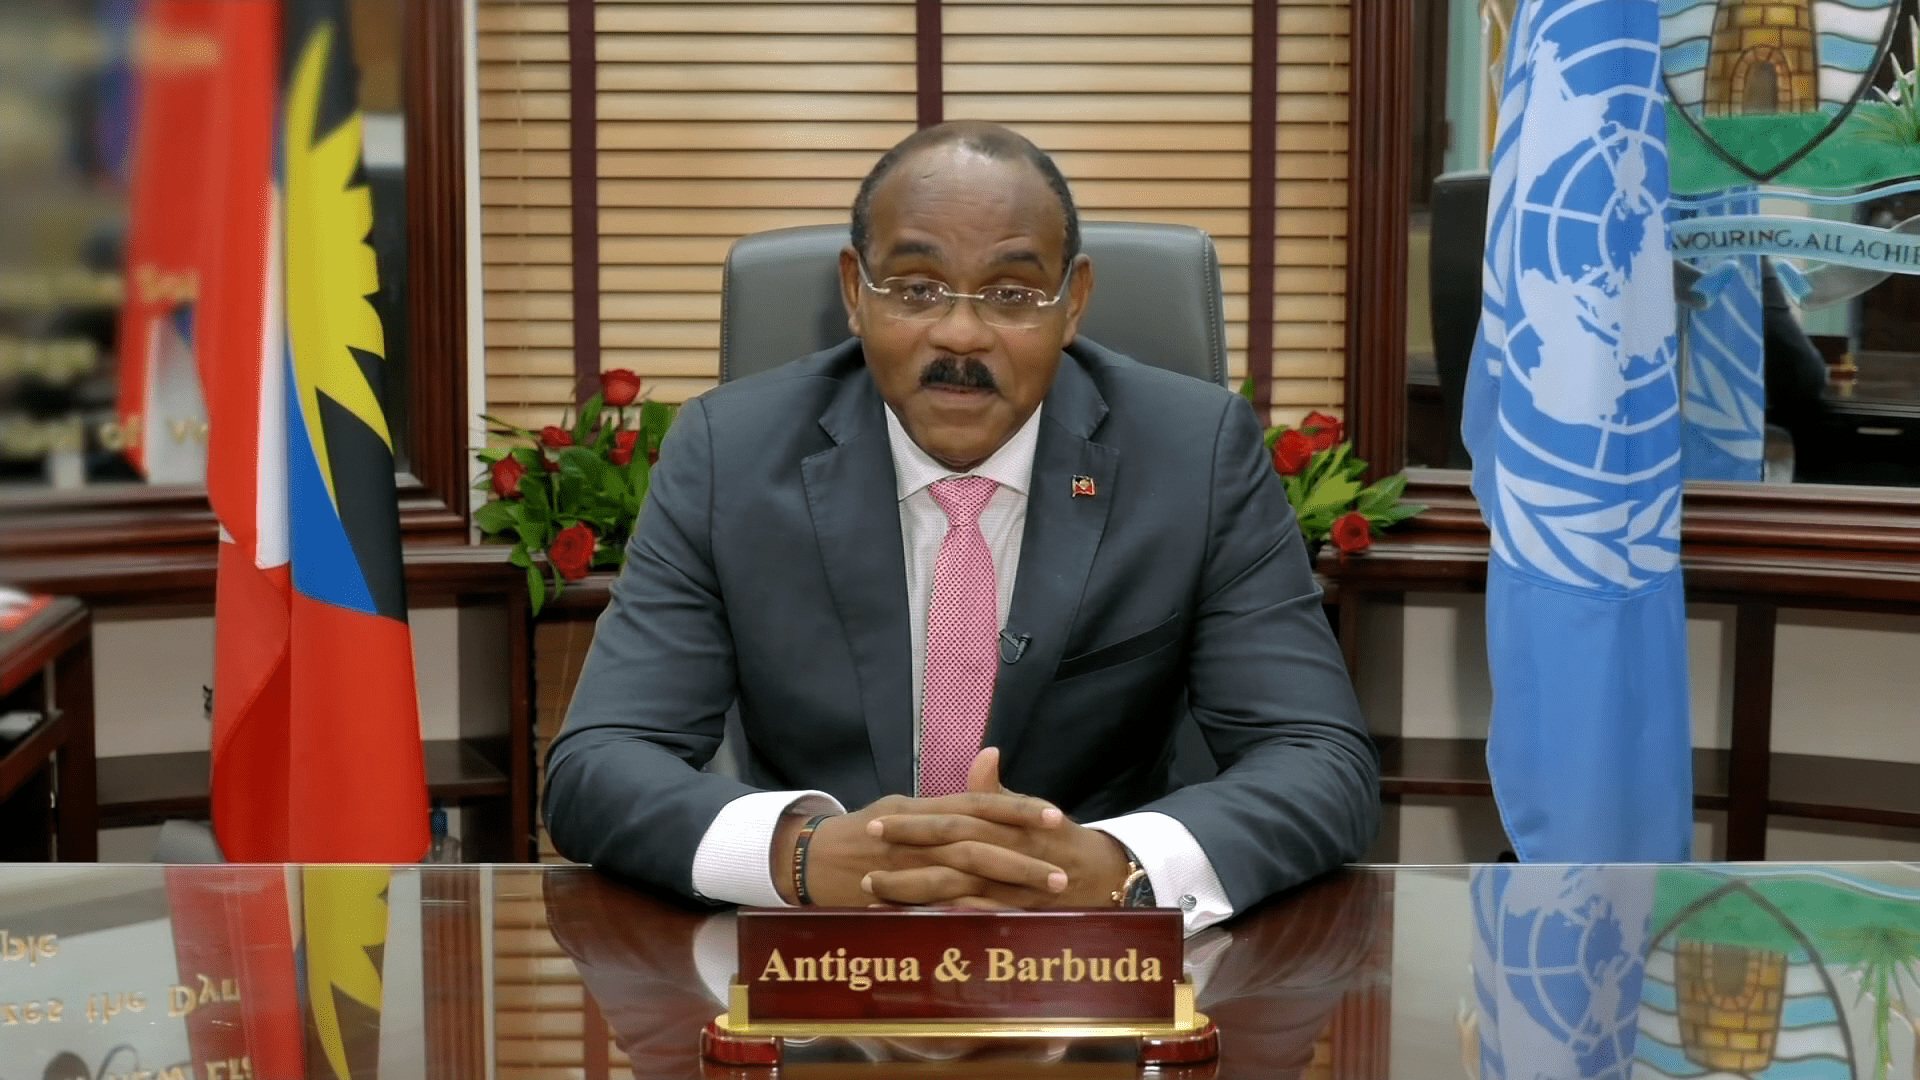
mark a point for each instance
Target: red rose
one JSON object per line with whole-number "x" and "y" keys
{"x": 623, "y": 446}
{"x": 506, "y": 478}
{"x": 620, "y": 386}
{"x": 1352, "y": 533}
{"x": 1324, "y": 431}
{"x": 555, "y": 437}
{"x": 1291, "y": 453}
{"x": 552, "y": 463}
{"x": 572, "y": 552}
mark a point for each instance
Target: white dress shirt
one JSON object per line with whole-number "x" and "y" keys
{"x": 731, "y": 864}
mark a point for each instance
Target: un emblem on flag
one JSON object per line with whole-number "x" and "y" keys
{"x": 1580, "y": 316}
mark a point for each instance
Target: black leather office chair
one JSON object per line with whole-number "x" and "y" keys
{"x": 1454, "y": 262}
{"x": 1156, "y": 298}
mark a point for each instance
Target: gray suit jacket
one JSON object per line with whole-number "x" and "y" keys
{"x": 767, "y": 568}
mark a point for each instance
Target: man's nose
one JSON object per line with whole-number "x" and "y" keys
{"x": 961, "y": 330}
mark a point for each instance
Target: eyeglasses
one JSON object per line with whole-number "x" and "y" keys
{"x": 1010, "y": 307}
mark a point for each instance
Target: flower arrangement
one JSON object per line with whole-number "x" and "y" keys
{"x": 572, "y": 492}
{"x": 1323, "y": 483}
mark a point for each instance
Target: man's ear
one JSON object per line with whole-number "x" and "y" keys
{"x": 850, "y": 288}
{"x": 1078, "y": 292}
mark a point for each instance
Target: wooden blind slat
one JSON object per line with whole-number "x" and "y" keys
{"x": 889, "y": 19}
{"x": 1097, "y": 49}
{"x": 706, "y": 78}
{"x": 752, "y": 134}
{"x": 1015, "y": 109}
{"x": 1050, "y": 20}
{"x": 820, "y": 105}
{"x": 1229, "y": 79}
{"x": 748, "y": 48}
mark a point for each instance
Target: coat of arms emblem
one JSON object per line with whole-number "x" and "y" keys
{"x": 1761, "y": 83}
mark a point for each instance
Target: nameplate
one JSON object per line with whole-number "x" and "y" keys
{"x": 1120, "y": 966}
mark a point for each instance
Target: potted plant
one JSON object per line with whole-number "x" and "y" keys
{"x": 569, "y": 493}
{"x": 1323, "y": 483}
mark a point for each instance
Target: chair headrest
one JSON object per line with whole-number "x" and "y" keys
{"x": 1156, "y": 297}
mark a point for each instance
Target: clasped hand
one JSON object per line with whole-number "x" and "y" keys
{"x": 985, "y": 847}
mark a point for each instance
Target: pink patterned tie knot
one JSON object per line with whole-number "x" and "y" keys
{"x": 963, "y": 631}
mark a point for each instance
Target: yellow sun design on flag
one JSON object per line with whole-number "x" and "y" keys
{"x": 330, "y": 270}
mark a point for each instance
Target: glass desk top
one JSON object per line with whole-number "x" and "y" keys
{"x": 1781, "y": 972}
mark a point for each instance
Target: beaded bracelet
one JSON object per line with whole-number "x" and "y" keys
{"x": 800, "y": 858}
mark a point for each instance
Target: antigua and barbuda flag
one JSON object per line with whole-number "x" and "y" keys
{"x": 1573, "y": 417}
{"x": 316, "y": 754}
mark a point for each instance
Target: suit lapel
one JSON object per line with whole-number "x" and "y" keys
{"x": 1056, "y": 552}
{"x": 856, "y": 522}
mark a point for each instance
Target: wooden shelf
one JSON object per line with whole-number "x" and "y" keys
{"x": 183, "y": 578}
{"x": 1803, "y": 785}
{"x": 1417, "y": 562}
{"x": 142, "y": 789}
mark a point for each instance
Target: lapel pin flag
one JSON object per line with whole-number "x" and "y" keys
{"x": 1083, "y": 485}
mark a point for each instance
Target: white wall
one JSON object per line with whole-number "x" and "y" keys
{"x": 1845, "y": 685}
{"x": 149, "y": 674}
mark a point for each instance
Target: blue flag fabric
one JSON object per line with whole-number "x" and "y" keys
{"x": 1573, "y": 419}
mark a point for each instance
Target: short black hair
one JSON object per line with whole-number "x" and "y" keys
{"x": 990, "y": 141}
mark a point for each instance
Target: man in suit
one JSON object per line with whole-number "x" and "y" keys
{"x": 963, "y": 575}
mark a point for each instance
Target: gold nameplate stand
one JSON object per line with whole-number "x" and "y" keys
{"x": 735, "y": 1039}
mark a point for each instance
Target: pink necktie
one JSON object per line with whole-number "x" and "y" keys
{"x": 963, "y": 630}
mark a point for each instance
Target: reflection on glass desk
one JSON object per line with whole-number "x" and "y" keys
{"x": 1776, "y": 972}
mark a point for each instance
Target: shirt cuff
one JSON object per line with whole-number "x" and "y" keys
{"x": 1182, "y": 876}
{"x": 731, "y": 864}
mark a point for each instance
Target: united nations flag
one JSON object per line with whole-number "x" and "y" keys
{"x": 1573, "y": 419}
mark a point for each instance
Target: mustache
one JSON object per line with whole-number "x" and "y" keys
{"x": 964, "y": 372}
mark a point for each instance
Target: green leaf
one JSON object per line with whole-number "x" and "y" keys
{"x": 1382, "y": 494}
{"x": 566, "y": 492}
{"x": 1332, "y": 493}
{"x": 496, "y": 516}
{"x": 528, "y": 457}
{"x": 1273, "y": 436}
{"x": 536, "y": 511}
{"x": 536, "y": 588}
{"x": 655, "y": 418}
{"x": 584, "y": 463}
{"x": 1392, "y": 515}
{"x": 518, "y": 556}
{"x": 491, "y": 454}
{"x": 603, "y": 480}
{"x": 511, "y": 429}
{"x": 1319, "y": 464}
{"x": 1246, "y": 390}
{"x": 589, "y": 416}
{"x": 533, "y": 495}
